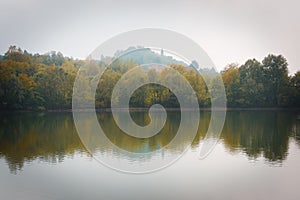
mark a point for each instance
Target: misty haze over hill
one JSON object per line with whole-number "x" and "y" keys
{"x": 142, "y": 55}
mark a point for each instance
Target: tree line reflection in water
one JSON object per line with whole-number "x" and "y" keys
{"x": 50, "y": 137}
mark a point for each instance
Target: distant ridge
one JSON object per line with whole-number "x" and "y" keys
{"x": 142, "y": 55}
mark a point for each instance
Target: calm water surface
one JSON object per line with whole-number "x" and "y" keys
{"x": 257, "y": 157}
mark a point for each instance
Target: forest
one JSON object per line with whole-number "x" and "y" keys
{"x": 45, "y": 82}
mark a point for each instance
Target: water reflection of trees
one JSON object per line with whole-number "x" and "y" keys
{"x": 140, "y": 145}
{"x": 29, "y": 136}
{"x": 258, "y": 133}
{"x": 25, "y": 137}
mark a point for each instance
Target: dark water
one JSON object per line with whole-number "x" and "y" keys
{"x": 257, "y": 157}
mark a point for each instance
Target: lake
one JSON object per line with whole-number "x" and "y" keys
{"x": 257, "y": 157}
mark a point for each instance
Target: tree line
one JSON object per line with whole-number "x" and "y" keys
{"x": 262, "y": 84}
{"x": 44, "y": 82}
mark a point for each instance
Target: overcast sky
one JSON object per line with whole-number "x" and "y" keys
{"x": 228, "y": 30}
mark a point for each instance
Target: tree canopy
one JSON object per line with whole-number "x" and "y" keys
{"x": 38, "y": 82}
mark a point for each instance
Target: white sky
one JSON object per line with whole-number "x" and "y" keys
{"x": 228, "y": 30}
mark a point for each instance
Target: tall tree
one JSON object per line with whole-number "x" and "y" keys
{"x": 231, "y": 79}
{"x": 252, "y": 83}
{"x": 276, "y": 79}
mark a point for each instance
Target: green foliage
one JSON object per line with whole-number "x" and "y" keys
{"x": 39, "y": 82}
{"x": 27, "y": 83}
{"x": 295, "y": 87}
{"x": 276, "y": 74}
{"x": 231, "y": 79}
{"x": 265, "y": 84}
